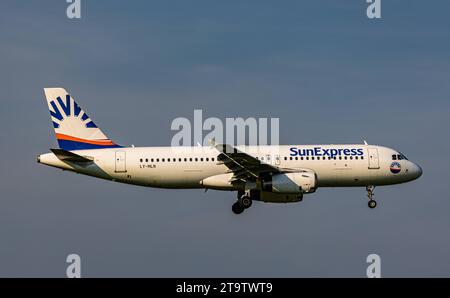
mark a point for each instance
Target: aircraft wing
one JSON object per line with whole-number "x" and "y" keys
{"x": 244, "y": 166}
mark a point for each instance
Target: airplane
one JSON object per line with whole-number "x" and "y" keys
{"x": 271, "y": 174}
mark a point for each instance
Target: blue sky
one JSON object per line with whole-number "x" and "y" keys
{"x": 330, "y": 74}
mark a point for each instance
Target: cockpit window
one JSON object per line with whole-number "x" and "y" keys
{"x": 401, "y": 156}
{"x": 394, "y": 157}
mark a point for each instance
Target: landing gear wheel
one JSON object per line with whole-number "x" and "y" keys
{"x": 372, "y": 204}
{"x": 245, "y": 202}
{"x": 237, "y": 208}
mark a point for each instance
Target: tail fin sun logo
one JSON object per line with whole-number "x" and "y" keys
{"x": 74, "y": 129}
{"x": 70, "y": 109}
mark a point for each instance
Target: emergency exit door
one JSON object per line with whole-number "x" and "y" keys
{"x": 121, "y": 162}
{"x": 273, "y": 160}
{"x": 373, "y": 159}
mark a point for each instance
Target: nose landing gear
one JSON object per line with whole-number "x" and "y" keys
{"x": 370, "y": 190}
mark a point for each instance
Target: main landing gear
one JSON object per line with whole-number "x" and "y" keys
{"x": 244, "y": 202}
{"x": 372, "y": 203}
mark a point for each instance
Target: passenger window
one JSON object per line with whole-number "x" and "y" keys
{"x": 168, "y": 160}
{"x": 196, "y": 159}
{"x": 212, "y": 159}
{"x": 141, "y": 160}
{"x": 296, "y": 158}
{"x": 152, "y": 159}
{"x": 163, "y": 160}
{"x": 179, "y": 159}
{"x": 207, "y": 159}
{"x": 307, "y": 158}
{"x": 201, "y": 159}
{"x": 301, "y": 158}
{"x": 312, "y": 158}
{"x": 190, "y": 159}
{"x": 157, "y": 160}
{"x": 285, "y": 158}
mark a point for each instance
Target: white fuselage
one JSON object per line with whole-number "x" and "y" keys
{"x": 187, "y": 167}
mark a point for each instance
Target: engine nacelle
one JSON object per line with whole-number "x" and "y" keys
{"x": 291, "y": 183}
{"x": 219, "y": 182}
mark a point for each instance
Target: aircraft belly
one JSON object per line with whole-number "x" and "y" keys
{"x": 181, "y": 177}
{"x": 342, "y": 177}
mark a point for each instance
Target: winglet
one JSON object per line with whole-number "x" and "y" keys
{"x": 212, "y": 142}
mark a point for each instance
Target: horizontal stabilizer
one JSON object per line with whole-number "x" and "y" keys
{"x": 65, "y": 155}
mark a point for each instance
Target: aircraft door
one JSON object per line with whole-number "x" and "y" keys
{"x": 121, "y": 163}
{"x": 272, "y": 159}
{"x": 373, "y": 159}
{"x": 277, "y": 159}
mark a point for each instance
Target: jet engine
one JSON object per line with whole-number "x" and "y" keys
{"x": 291, "y": 183}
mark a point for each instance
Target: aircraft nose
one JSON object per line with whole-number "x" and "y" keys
{"x": 417, "y": 171}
